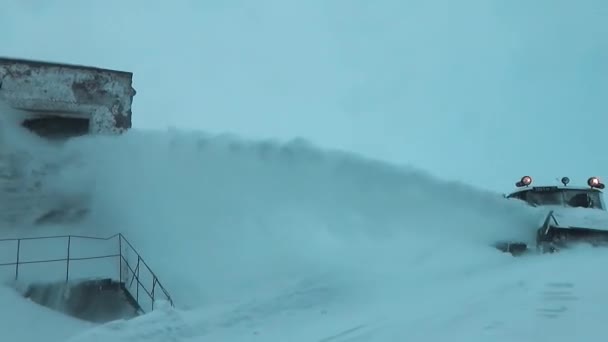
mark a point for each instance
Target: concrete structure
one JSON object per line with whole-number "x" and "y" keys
{"x": 62, "y": 100}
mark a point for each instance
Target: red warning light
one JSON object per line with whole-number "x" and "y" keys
{"x": 595, "y": 182}
{"x": 525, "y": 181}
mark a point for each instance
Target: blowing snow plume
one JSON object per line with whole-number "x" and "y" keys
{"x": 30, "y": 166}
{"x": 216, "y": 215}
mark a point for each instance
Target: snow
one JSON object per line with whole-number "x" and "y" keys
{"x": 286, "y": 241}
{"x": 279, "y": 241}
{"x": 23, "y": 320}
{"x": 25, "y": 161}
{"x": 579, "y": 217}
{"x": 529, "y": 300}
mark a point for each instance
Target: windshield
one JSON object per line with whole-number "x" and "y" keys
{"x": 564, "y": 197}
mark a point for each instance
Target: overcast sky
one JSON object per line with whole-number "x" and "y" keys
{"x": 474, "y": 90}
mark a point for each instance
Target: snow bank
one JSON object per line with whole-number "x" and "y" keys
{"x": 23, "y": 320}
{"x": 534, "y": 299}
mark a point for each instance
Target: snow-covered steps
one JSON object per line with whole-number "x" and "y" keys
{"x": 91, "y": 278}
{"x": 94, "y": 300}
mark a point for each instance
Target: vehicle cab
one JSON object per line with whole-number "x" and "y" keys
{"x": 561, "y": 195}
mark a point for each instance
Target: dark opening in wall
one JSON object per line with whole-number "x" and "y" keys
{"x": 54, "y": 127}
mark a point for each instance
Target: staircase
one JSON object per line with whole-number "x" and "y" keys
{"x": 92, "y": 278}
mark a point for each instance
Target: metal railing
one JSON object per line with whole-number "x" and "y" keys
{"x": 547, "y": 223}
{"x": 130, "y": 273}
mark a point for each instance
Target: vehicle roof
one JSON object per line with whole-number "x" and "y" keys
{"x": 558, "y": 187}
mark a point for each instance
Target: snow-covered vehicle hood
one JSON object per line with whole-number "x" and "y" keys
{"x": 578, "y": 217}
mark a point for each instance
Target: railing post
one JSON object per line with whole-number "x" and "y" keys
{"x": 138, "y": 281}
{"x": 17, "y": 263}
{"x": 154, "y": 280}
{"x": 67, "y": 270}
{"x": 120, "y": 259}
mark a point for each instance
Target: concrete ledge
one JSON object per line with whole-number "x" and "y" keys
{"x": 45, "y": 90}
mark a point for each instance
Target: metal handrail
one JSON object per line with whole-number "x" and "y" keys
{"x": 63, "y": 236}
{"x": 154, "y": 277}
{"x": 550, "y": 216}
{"x": 135, "y": 272}
{"x": 57, "y": 260}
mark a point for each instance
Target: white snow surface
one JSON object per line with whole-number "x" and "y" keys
{"x": 579, "y": 217}
{"x": 272, "y": 241}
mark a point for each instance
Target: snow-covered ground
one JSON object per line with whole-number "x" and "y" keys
{"x": 284, "y": 241}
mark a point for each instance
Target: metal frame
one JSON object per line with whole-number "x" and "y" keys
{"x": 122, "y": 242}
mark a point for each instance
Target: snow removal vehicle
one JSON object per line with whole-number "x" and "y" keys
{"x": 571, "y": 215}
{"x": 55, "y": 102}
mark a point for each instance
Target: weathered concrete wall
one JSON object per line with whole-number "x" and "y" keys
{"x": 43, "y": 89}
